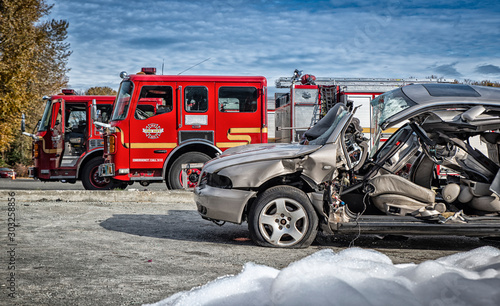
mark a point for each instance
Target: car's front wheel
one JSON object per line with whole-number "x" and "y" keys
{"x": 283, "y": 217}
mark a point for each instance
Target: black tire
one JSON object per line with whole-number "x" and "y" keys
{"x": 283, "y": 217}
{"x": 174, "y": 175}
{"x": 91, "y": 179}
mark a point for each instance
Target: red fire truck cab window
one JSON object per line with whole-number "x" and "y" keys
{"x": 238, "y": 99}
{"x": 154, "y": 100}
{"x": 196, "y": 99}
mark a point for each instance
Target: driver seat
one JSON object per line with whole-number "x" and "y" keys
{"x": 395, "y": 195}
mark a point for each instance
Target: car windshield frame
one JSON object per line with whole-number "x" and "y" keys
{"x": 384, "y": 107}
{"x": 123, "y": 100}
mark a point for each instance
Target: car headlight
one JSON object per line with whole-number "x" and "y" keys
{"x": 215, "y": 180}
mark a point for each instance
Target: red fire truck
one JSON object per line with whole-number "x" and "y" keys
{"x": 67, "y": 146}
{"x": 162, "y": 124}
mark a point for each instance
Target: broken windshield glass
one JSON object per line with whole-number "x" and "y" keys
{"x": 384, "y": 107}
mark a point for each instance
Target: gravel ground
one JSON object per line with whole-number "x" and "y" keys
{"x": 126, "y": 253}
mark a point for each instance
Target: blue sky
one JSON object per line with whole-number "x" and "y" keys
{"x": 389, "y": 39}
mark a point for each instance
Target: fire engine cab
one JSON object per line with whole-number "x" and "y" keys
{"x": 67, "y": 146}
{"x": 165, "y": 126}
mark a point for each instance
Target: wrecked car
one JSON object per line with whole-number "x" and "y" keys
{"x": 438, "y": 173}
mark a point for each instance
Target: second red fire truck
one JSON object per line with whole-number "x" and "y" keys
{"x": 67, "y": 146}
{"x": 162, "y": 124}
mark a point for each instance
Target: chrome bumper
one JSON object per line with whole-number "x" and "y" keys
{"x": 107, "y": 170}
{"x": 32, "y": 172}
{"x": 222, "y": 204}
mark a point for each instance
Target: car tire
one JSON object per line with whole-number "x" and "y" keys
{"x": 174, "y": 175}
{"x": 283, "y": 217}
{"x": 91, "y": 179}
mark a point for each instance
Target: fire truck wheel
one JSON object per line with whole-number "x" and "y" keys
{"x": 175, "y": 173}
{"x": 91, "y": 179}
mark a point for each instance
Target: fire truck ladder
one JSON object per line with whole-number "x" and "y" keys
{"x": 316, "y": 115}
{"x": 328, "y": 98}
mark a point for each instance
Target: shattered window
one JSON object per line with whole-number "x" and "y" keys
{"x": 389, "y": 104}
{"x": 384, "y": 107}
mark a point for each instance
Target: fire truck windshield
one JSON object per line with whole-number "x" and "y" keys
{"x": 44, "y": 123}
{"x": 122, "y": 101}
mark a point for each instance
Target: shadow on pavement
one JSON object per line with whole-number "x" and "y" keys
{"x": 179, "y": 225}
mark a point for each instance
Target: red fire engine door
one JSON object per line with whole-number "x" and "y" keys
{"x": 53, "y": 140}
{"x": 152, "y": 129}
{"x": 196, "y": 114}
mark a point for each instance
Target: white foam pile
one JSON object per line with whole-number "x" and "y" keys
{"x": 357, "y": 277}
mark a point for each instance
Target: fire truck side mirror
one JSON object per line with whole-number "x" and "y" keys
{"x": 93, "y": 111}
{"x": 23, "y": 124}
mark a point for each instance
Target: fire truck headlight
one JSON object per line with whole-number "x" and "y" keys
{"x": 35, "y": 149}
{"x": 123, "y": 171}
{"x": 111, "y": 144}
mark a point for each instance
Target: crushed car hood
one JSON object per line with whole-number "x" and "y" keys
{"x": 258, "y": 152}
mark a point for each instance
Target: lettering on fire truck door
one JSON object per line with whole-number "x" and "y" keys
{"x": 152, "y": 126}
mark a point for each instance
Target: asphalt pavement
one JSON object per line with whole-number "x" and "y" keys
{"x": 131, "y": 251}
{"x": 31, "y": 184}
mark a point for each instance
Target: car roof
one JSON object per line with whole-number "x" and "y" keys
{"x": 438, "y": 95}
{"x": 446, "y": 93}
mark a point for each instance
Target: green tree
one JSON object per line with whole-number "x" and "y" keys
{"x": 100, "y": 91}
{"x": 33, "y": 58}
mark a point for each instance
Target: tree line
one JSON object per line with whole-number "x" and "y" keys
{"x": 33, "y": 63}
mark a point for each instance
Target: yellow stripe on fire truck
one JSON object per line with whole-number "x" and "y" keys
{"x": 246, "y": 138}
